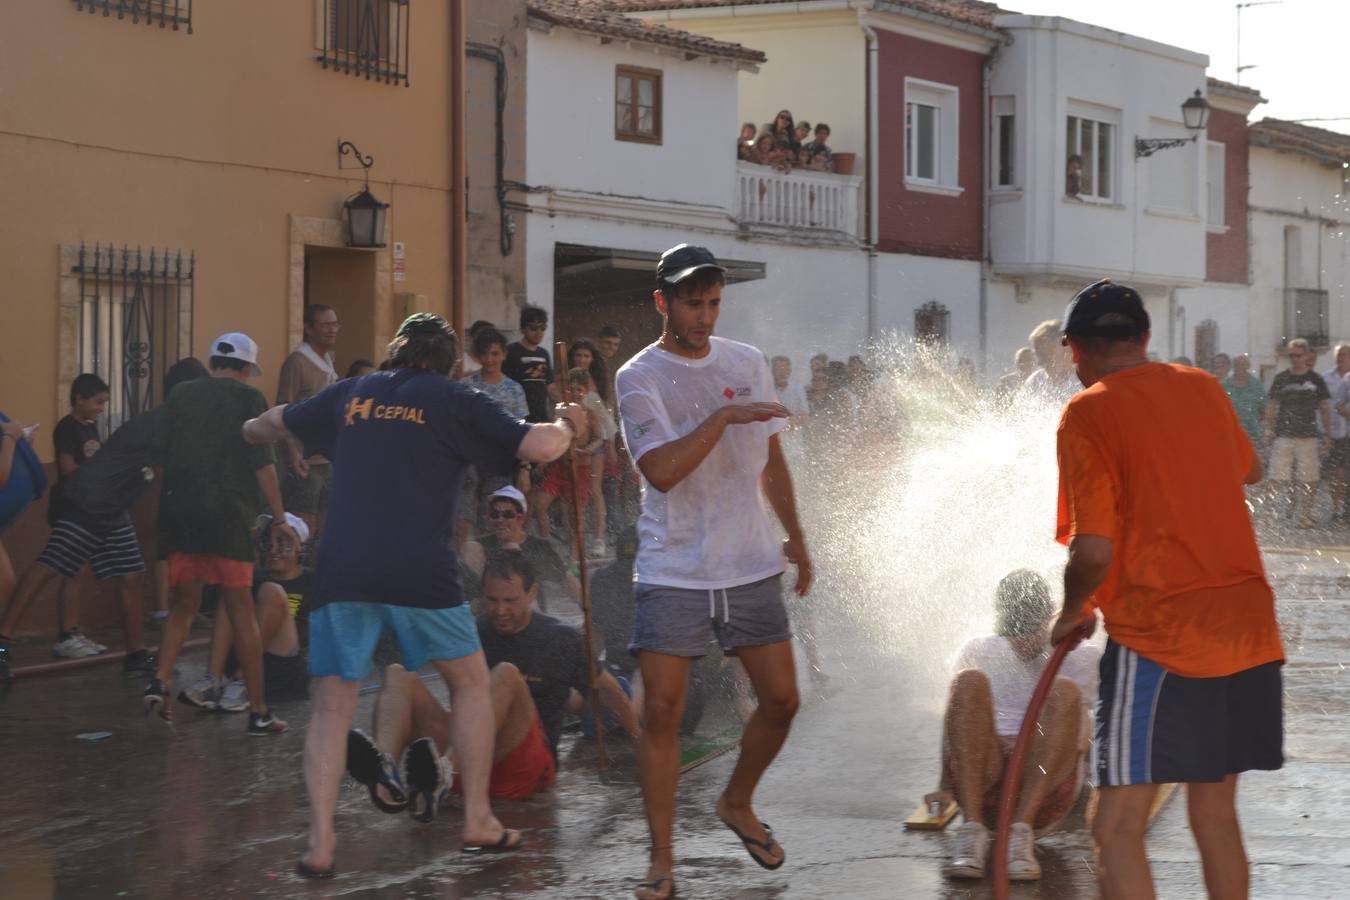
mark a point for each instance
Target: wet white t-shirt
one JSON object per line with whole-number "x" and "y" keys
{"x": 1013, "y": 679}
{"x": 711, "y": 530}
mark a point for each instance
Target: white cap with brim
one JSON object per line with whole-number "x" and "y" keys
{"x": 237, "y": 345}
{"x": 264, "y": 522}
{"x": 510, "y": 493}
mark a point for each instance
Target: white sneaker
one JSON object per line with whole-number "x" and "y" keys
{"x": 73, "y": 647}
{"x": 597, "y": 549}
{"x": 1022, "y": 864}
{"x": 203, "y": 693}
{"x": 970, "y": 852}
{"x": 233, "y": 697}
{"x": 93, "y": 644}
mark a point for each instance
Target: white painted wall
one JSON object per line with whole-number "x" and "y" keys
{"x": 1152, "y": 230}
{"x": 570, "y": 107}
{"x": 906, "y": 282}
{"x": 1289, "y": 189}
{"x": 816, "y": 67}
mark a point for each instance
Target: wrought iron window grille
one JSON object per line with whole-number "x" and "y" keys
{"x": 165, "y": 13}
{"x": 367, "y": 38}
{"x": 1307, "y": 316}
{"x": 136, "y": 320}
{"x": 932, "y": 324}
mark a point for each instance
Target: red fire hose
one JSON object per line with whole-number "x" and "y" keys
{"x": 1012, "y": 777}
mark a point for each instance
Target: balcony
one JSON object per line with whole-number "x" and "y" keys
{"x": 818, "y": 205}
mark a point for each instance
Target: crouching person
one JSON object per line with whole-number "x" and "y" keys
{"x": 995, "y": 677}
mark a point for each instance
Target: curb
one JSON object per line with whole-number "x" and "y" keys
{"x": 88, "y": 662}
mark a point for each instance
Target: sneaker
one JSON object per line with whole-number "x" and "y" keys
{"x": 204, "y": 693}
{"x": 428, "y": 777}
{"x": 375, "y": 769}
{"x": 93, "y": 644}
{"x": 1022, "y": 864}
{"x": 73, "y": 647}
{"x": 156, "y": 699}
{"x": 233, "y": 697}
{"x": 6, "y": 676}
{"x": 969, "y": 853}
{"x": 139, "y": 661}
{"x": 264, "y": 724}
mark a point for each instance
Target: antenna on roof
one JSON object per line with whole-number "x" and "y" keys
{"x": 1240, "y": 7}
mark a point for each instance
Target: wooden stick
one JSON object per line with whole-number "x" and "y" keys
{"x": 579, "y": 532}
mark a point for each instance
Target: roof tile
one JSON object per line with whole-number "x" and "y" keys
{"x": 594, "y": 18}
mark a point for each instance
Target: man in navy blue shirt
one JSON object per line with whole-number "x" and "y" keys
{"x": 402, "y": 439}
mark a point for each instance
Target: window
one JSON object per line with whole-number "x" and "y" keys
{"x": 1005, "y": 136}
{"x": 367, "y": 38}
{"x": 135, "y": 320}
{"x": 1307, "y": 316}
{"x": 637, "y": 104}
{"x": 932, "y": 322}
{"x": 164, "y": 13}
{"x": 931, "y": 150}
{"x": 1090, "y": 166}
{"x": 1214, "y": 184}
{"x": 1206, "y": 344}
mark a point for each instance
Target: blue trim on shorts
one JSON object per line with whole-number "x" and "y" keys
{"x": 343, "y": 635}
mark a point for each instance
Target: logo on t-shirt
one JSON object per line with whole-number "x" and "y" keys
{"x": 90, "y": 448}
{"x": 729, "y": 394}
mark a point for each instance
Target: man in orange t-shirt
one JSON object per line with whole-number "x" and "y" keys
{"x": 1152, "y": 463}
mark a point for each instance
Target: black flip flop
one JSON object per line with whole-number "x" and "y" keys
{"x": 366, "y": 763}
{"x": 767, "y": 846}
{"x": 503, "y": 844}
{"x": 655, "y": 885}
{"x": 422, "y": 772}
{"x": 307, "y": 871}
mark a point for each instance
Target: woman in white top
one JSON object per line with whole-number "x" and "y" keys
{"x": 583, "y": 354}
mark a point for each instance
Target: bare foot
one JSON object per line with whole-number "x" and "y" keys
{"x": 746, "y": 824}
{"x": 319, "y": 857}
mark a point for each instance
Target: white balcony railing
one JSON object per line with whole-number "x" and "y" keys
{"x": 800, "y": 199}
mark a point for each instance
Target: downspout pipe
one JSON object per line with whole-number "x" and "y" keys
{"x": 986, "y": 203}
{"x": 459, "y": 173}
{"x": 873, "y": 171}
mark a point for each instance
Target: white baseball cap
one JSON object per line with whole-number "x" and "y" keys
{"x": 264, "y": 522}
{"x": 510, "y": 493}
{"x": 237, "y": 345}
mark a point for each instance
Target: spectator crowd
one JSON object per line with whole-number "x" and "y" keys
{"x": 785, "y": 144}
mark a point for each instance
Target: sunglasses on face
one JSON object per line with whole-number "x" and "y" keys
{"x": 503, "y": 514}
{"x": 536, "y": 326}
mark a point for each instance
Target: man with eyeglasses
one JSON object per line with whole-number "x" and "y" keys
{"x": 528, "y": 363}
{"x": 506, "y": 515}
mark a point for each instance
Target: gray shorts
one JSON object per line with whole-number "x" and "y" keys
{"x": 681, "y": 621}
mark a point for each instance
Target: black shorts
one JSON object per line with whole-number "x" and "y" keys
{"x": 1155, "y": 727}
{"x": 284, "y": 677}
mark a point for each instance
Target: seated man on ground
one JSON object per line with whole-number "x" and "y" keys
{"x": 506, "y": 513}
{"x": 995, "y": 677}
{"x": 538, "y": 673}
{"x": 279, "y": 589}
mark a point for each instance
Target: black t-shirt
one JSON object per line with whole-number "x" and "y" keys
{"x": 551, "y": 656}
{"x": 1299, "y": 396}
{"x": 80, "y": 440}
{"x": 104, "y": 488}
{"x": 539, "y": 553}
{"x": 299, "y": 595}
{"x": 534, "y": 370}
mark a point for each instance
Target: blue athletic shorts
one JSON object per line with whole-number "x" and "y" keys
{"x": 343, "y": 635}
{"x": 1155, "y": 727}
{"x": 682, "y": 621}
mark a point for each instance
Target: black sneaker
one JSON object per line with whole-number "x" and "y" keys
{"x": 6, "y": 676}
{"x": 156, "y": 700}
{"x": 426, "y": 773}
{"x": 377, "y": 771}
{"x": 264, "y": 724}
{"x": 139, "y": 661}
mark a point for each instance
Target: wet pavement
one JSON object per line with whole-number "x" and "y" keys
{"x": 202, "y": 810}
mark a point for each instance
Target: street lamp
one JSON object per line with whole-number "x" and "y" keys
{"x": 365, "y": 213}
{"x": 1195, "y": 115}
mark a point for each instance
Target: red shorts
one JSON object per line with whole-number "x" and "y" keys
{"x": 558, "y": 482}
{"x": 1057, "y": 804}
{"x": 524, "y": 772}
{"x": 208, "y": 569}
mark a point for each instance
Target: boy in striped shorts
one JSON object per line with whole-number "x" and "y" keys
{"x": 1152, "y": 463}
{"x": 95, "y": 527}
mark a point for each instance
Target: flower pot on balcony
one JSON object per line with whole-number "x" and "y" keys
{"x": 844, "y": 163}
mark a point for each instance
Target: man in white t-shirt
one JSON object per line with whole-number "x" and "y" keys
{"x": 701, "y": 419}
{"x": 995, "y": 677}
{"x": 791, "y": 394}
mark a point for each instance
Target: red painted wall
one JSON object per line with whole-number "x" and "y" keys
{"x": 1226, "y": 254}
{"x": 913, "y": 221}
